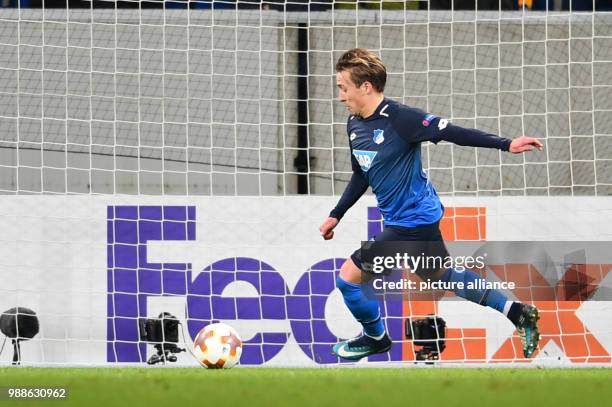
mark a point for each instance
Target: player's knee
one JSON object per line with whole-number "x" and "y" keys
{"x": 341, "y": 284}
{"x": 349, "y": 272}
{"x": 350, "y": 292}
{"x": 346, "y": 281}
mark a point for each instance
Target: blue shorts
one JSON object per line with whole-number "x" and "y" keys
{"x": 427, "y": 240}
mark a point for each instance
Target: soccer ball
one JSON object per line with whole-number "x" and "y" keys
{"x": 217, "y": 346}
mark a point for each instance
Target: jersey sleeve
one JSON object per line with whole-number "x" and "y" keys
{"x": 357, "y": 186}
{"x": 416, "y": 126}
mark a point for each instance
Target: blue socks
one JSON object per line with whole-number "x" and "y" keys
{"x": 365, "y": 308}
{"x": 490, "y": 298}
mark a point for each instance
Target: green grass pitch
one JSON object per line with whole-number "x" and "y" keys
{"x": 422, "y": 387}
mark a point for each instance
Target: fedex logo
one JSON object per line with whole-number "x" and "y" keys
{"x": 132, "y": 280}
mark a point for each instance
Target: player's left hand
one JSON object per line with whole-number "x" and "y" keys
{"x": 523, "y": 143}
{"x": 327, "y": 228}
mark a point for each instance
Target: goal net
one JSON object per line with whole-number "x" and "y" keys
{"x": 179, "y": 156}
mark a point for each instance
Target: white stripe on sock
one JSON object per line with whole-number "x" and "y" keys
{"x": 507, "y": 306}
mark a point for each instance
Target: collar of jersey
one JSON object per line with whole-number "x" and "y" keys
{"x": 376, "y": 113}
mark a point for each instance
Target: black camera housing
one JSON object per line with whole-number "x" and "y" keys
{"x": 428, "y": 333}
{"x": 163, "y": 333}
{"x": 19, "y": 324}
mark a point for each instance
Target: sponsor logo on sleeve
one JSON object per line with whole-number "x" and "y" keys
{"x": 427, "y": 120}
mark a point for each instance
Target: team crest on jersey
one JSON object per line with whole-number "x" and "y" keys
{"x": 378, "y": 136}
{"x": 353, "y": 136}
{"x": 365, "y": 158}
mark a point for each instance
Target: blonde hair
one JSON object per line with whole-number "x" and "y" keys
{"x": 364, "y": 66}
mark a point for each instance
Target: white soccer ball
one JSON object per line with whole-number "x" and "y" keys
{"x": 217, "y": 346}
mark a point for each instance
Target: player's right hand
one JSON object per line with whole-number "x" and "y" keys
{"x": 523, "y": 144}
{"x": 327, "y": 228}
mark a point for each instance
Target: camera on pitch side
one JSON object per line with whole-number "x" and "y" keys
{"x": 429, "y": 334}
{"x": 163, "y": 333}
{"x": 19, "y": 324}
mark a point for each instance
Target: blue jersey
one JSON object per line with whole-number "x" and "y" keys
{"x": 386, "y": 155}
{"x": 386, "y": 147}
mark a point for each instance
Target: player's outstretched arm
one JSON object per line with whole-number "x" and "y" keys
{"x": 523, "y": 144}
{"x": 444, "y": 130}
{"x": 417, "y": 126}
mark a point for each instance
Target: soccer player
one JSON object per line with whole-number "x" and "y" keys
{"x": 385, "y": 142}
